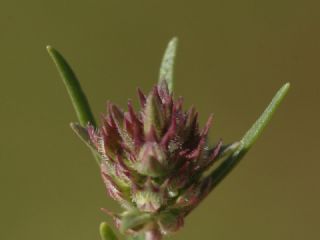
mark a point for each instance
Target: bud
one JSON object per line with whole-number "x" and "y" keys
{"x": 153, "y": 161}
{"x": 153, "y": 114}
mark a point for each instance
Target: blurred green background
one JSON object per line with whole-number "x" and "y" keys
{"x": 233, "y": 56}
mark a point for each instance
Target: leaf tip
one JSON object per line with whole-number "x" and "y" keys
{"x": 174, "y": 41}
{"x": 54, "y": 54}
{"x": 106, "y": 232}
{"x": 51, "y": 50}
{"x": 287, "y": 86}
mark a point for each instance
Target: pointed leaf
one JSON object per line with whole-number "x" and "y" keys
{"x": 249, "y": 138}
{"x": 78, "y": 98}
{"x": 106, "y": 232}
{"x": 167, "y": 64}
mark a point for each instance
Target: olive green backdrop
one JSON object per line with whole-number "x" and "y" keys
{"x": 233, "y": 56}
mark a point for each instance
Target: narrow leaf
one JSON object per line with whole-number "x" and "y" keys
{"x": 167, "y": 64}
{"x": 106, "y": 232}
{"x": 249, "y": 138}
{"x": 78, "y": 98}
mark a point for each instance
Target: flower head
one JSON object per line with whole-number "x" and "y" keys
{"x": 153, "y": 160}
